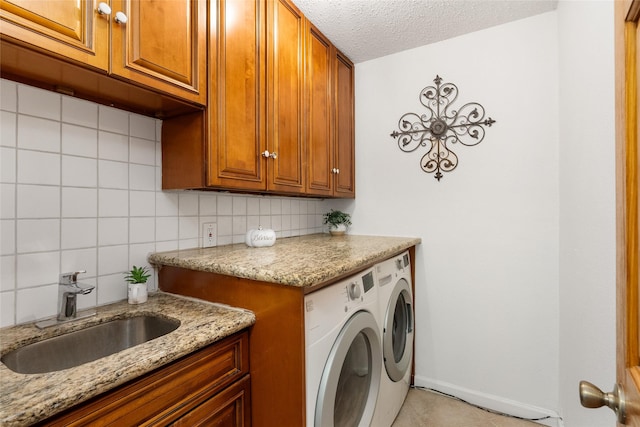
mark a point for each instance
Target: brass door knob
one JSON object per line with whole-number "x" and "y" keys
{"x": 592, "y": 397}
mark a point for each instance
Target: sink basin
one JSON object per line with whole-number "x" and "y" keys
{"x": 86, "y": 345}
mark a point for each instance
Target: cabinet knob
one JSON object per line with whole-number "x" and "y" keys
{"x": 104, "y": 9}
{"x": 265, "y": 154}
{"x": 337, "y": 170}
{"x": 121, "y": 18}
{"x": 273, "y": 155}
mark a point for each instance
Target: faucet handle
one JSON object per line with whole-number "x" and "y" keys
{"x": 70, "y": 278}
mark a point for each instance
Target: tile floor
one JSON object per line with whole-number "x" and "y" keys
{"x": 427, "y": 409}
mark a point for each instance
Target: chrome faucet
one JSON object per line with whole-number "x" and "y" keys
{"x": 68, "y": 291}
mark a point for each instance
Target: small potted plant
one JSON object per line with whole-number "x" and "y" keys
{"x": 337, "y": 221}
{"x": 137, "y": 279}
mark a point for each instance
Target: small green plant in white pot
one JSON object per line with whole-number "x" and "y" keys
{"x": 137, "y": 289}
{"x": 337, "y": 221}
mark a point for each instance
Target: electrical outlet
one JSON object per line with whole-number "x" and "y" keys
{"x": 209, "y": 234}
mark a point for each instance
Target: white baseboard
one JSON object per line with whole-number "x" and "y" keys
{"x": 495, "y": 403}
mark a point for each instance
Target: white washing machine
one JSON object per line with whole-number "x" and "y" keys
{"x": 396, "y": 316}
{"x": 343, "y": 353}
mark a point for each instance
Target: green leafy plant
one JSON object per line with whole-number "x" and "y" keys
{"x": 137, "y": 275}
{"x": 334, "y": 218}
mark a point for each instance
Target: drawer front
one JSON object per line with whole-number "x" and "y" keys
{"x": 164, "y": 395}
{"x": 230, "y": 408}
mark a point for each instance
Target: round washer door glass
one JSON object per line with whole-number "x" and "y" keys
{"x": 351, "y": 377}
{"x": 398, "y": 331}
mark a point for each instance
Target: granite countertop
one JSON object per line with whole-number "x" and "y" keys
{"x": 303, "y": 261}
{"x": 28, "y": 398}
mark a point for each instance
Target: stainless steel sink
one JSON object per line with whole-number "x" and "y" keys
{"x": 86, "y": 345}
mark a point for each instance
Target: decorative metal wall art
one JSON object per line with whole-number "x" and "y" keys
{"x": 441, "y": 126}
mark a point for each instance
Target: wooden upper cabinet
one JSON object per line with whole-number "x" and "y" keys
{"x": 285, "y": 96}
{"x": 279, "y": 117}
{"x": 162, "y": 45}
{"x": 319, "y": 100}
{"x": 237, "y": 87}
{"x": 330, "y": 119}
{"x": 69, "y": 29}
{"x": 159, "y": 45}
{"x": 344, "y": 108}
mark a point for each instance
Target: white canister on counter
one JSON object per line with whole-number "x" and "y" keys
{"x": 260, "y": 238}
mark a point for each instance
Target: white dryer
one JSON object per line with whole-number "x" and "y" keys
{"x": 396, "y": 316}
{"x": 343, "y": 355}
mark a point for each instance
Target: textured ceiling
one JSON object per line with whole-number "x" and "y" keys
{"x": 368, "y": 29}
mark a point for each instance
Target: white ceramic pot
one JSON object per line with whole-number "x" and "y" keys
{"x": 137, "y": 293}
{"x": 338, "y": 230}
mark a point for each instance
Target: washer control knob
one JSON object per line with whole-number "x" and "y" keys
{"x": 354, "y": 291}
{"x": 399, "y": 264}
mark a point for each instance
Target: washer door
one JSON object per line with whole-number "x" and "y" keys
{"x": 351, "y": 377}
{"x": 398, "y": 331}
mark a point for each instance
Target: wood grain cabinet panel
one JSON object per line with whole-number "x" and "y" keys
{"x": 271, "y": 124}
{"x": 285, "y": 83}
{"x": 344, "y": 108}
{"x": 320, "y": 123}
{"x": 65, "y": 28}
{"x": 236, "y": 132}
{"x": 214, "y": 378}
{"x": 330, "y": 119}
{"x": 155, "y": 61}
{"x": 162, "y": 45}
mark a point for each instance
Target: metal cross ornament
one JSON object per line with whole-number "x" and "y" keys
{"x": 440, "y": 127}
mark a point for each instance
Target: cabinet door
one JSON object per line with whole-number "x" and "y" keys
{"x": 285, "y": 77}
{"x": 71, "y": 29}
{"x": 344, "y": 128}
{"x": 237, "y": 95}
{"x": 162, "y": 45}
{"x": 230, "y": 408}
{"x": 319, "y": 117}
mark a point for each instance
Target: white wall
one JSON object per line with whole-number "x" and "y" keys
{"x": 80, "y": 190}
{"x": 515, "y": 275}
{"x": 587, "y": 206}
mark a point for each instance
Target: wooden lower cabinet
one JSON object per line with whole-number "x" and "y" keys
{"x": 208, "y": 387}
{"x": 277, "y": 338}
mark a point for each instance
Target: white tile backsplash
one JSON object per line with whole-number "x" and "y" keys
{"x": 80, "y": 112}
{"x": 7, "y": 273}
{"x": 7, "y": 237}
{"x": 7, "y": 201}
{"x": 39, "y": 102}
{"x": 78, "y": 233}
{"x": 79, "y": 171}
{"x": 113, "y": 174}
{"x": 113, "y": 120}
{"x": 37, "y": 235}
{"x": 80, "y": 190}
{"x": 79, "y": 141}
{"x": 113, "y": 202}
{"x": 47, "y": 272}
{"x": 8, "y": 129}
{"x": 8, "y": 95}
{"x": 38, "y": 134}
{"x": 142, "y": 177}
{"x": 113, "y": 231}
{"x": 142, "y": 127}
{"x": 113, "y": 259}
{"x": 38, "y": 201}
{"x": 79, "y": 202}
{"x": 35, "y": 167}
{"x": 7, "y": 164}
{"x": 142, "y": 151}
{"x": 113, "y": 146}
